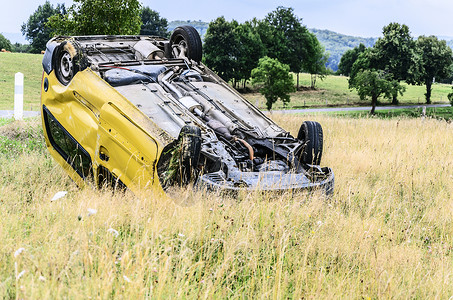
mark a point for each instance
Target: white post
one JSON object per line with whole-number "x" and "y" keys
{"x": 19, "y": 96}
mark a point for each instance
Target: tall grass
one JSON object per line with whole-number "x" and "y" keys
{"x": 386, "y": 232}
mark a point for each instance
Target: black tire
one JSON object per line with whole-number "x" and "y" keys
{"x": 179, "y": 160}
{"x": 190, "y": 143}
{"x": 310, "y": 133}
{"x": 68, "y": 60}
{"x": 186, "y": 37}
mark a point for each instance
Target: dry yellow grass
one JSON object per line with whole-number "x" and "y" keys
{"x": 386, "y": 232}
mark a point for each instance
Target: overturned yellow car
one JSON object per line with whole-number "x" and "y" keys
{"x": 143, "y": 112}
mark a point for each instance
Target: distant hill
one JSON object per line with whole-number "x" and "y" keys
{"x": 337, "y": 44}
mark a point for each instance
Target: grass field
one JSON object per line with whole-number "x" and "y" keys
{"x": 28, "y": 64}
{"x": 334, "y": 89}
{"x": 441, "y": 113}
{"x": 387, "y": 232}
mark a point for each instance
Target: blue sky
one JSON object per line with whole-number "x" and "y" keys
{"x": 353, "y": 17}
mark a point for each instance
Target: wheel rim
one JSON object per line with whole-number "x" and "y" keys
{"x": 66, "y": 66}
{"x": 180, "y": 47}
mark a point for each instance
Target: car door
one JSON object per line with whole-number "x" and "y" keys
{"x": 126, "y": 154}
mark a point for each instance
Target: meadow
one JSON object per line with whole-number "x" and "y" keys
{"x": 385, "y": 233}
{"x": 334, "y": 91}
{"x": 28, "y": 64}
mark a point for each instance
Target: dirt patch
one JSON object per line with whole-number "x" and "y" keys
{"x": 22, "y": 130}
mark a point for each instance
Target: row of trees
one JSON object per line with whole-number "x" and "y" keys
{"x": 266, "y": 51}
{"x": 233, "y": 49}
{"x": 378, "y": 71}
{"x": 91, "y": 17}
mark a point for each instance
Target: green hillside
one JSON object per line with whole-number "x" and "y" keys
{"x": 337, "y": 44}
{"x": 30, "y": 66}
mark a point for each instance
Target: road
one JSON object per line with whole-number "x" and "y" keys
{"x": 27, "y": 114}
{"x": 366, "y": 108}
{"x": 10, "y": 113}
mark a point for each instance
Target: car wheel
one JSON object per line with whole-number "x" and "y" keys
{"x": 179, "y": 161}
{"x": 190, "y": 143}
{"x": 186, "y": 42}
{"x": 310, "y": 133}
{"x": 67, "y": 62}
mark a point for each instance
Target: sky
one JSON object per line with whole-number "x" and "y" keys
{"x": 364, "y": 18}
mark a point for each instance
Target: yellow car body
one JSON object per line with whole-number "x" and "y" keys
{"x": 112, "y": 145}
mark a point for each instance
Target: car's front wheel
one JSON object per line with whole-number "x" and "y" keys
{"x": 186, "y": 42}
{"x": 67, "y": 62}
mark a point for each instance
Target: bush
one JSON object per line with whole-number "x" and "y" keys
{"x": 5, "y": 43}
{"x": 450, "y": 97}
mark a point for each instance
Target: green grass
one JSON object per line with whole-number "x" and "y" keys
{"x": 30, "y": 66}
{"x": 334, "y": 90}
{"x": 441, "y": 113}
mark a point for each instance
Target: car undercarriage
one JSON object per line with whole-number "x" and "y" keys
{"x": 206, "y": 132}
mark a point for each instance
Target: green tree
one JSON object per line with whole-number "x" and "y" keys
{"x": 153, "y": 24}
{"x": 436, "y": 61}
{"x": 275, "y": 80}
{"x": 315, "y": 62}
{"x": 5, "y": 43}
{"x": 450, "y": 97}
{"x": 362, "y": 63}
{"x": 250, "y": 50}
{"x": 285, "y": 38}
{"x": 221, "y": 49}
{"x": 370, "y": 82}
{"x": 396, "y": 54}
{"x": 374, "y": 84}
{"x": 99, "y": 17}
{"x": 36, "y": 30}
{"x": 349, "y": 58}
{"x": 21, "y": 48}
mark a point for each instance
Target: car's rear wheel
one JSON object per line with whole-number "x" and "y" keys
{"x": 67, "y": 62}
{"x": 310, "y": 133}
{"x": 178, "y": 163}
{"x": 186, "y": 42}
{"x": 190, "y": 143}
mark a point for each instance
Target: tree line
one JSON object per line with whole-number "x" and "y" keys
{"x": 395, "y": 57}
{"x": 231, "y": 49}
{"x": 91, "y": 17}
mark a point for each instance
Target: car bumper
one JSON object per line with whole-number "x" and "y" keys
{"x": 269, "y": 181}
